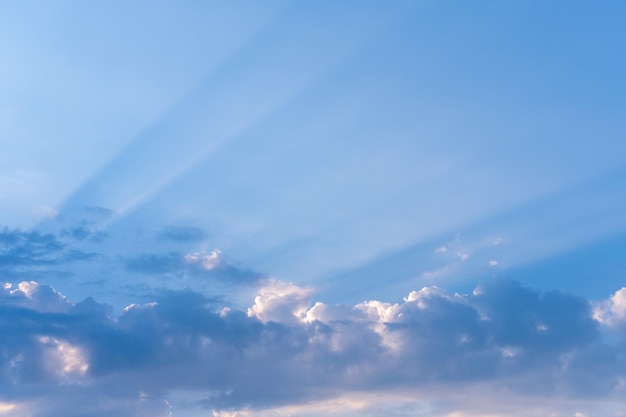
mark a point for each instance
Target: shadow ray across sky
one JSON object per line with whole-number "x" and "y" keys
{"x": 262, "y": 77}
{"x": 459, "y": 165}
{"x": 582, "y": 226}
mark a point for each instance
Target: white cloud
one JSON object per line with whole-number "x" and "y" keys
{"x": 420, "y": 297}
{"x": 134, "y": 306}
{"x": 66, "y": 361}
{"x": 281, "y": 302}
{"x": 612, "y": 312}
{"x": 463, "y": 256}
{"x": 31, "y": 294}
{"x": 205, "y": 261}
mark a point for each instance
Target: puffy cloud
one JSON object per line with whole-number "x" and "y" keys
{"x": 298, "y": 356}
{"x": 612, "y": 312}
{"x": 31, "y": 295}
{"x": 281, "y": 302}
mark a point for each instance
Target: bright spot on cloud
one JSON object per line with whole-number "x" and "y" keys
{"x": 493, "y": 263}
{"x": 6, "y": 407}
{"x": 281, "y": 302}
{"x": 134, "y": 306}
{"x": 206, "y": 262}
{"x": 508, "y": 352}
{"x": 421, "y": 297}
{"x": 463, "y": 256}
{"x": 612, "y": 312}
{"x": 26, "y": 287}
{"x": 63, "y": 358}
{"x": 441, "y": 249}
{"x": 228, "y": 414}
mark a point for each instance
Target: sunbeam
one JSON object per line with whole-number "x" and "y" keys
{"x": 313, "y": 209}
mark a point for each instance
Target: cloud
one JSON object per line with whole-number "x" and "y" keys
{"x": 182, "y": 234}
{"x": 210, "y": 265}
{"x": 288, "y": 351}
{"x": 162, "y": 263}
{"x": 612, "y": 312}
{"x": 31, "y": 249}
{"x": 31, "y": 295}
{"x": 281, "y": 302}
{"x": 206, "y": 262}
{"x": 46, "y": 212}
{"x": 463, "y": 256}
{"x": 88, "y": 223}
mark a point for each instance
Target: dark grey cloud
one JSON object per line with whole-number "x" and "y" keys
{"x": 283, "y": 350}
{"x": 209, "y": 266}
{"x": 23, "y": 249}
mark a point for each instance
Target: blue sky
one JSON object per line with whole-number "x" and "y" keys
{"x": 276, "y": 208}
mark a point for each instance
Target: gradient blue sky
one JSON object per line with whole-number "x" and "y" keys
{"x": 409, "y": 208}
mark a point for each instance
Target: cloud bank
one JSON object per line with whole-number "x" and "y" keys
{"x": 286, "y": 352}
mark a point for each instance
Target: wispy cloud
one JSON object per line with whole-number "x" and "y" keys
{"x": 21, "y": 249}
{"x": 182, "y": 234}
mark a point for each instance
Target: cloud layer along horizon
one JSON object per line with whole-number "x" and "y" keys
{"x": 503, "y": 350}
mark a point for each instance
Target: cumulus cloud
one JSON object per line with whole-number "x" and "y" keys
{"x": 281, "y": 302}
{"x": 288, "y": 352}
{"x": 612, "y": 312}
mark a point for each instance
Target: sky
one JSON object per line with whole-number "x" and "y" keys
{"x": 312, "y": 209}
